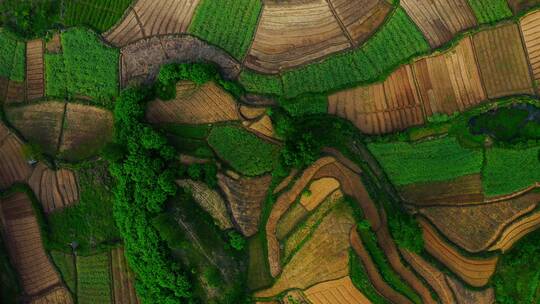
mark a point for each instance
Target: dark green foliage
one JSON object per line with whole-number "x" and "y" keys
{"x": 65, "y": 263}
{"x": 96, "y": 14}
{"x": 517, "y": 278}
{"x": 86, "y": 67}
{"x": 262, "y": 84}
{"x": 227, "y": 24}
{"x": 29, "y": 18}
{"x": 236, "y": 240}
{"x": 361, "y": 281}
{"x": 10, "y": 289}
{"x": 258, "y": 270}
{"x": 94, "y": 279}
{"x": 490, "y": 11}
{"x": 89, "y": 222}
{"x": 242, "y": 150}
{"x": 206, "y": 172}
{"x": 305, "y": 105}
{"x": 12, "y": 56}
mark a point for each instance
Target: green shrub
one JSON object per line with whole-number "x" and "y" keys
{"x": 97, "y": 14}
{"x": 29, "y": 18}
{"x": 236, "y": 240}
{"x": 94, "y": 279}
{"x": 434, "y": 160}
{"x": 242, "y": 150}
{"x": 12, "y": 56}
{"x": 227, "y": 24}
{"x": 490, "y": 11}
{"x": 509, "y": 170}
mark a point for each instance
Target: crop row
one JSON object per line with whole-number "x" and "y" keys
{"x": 97, "y": 14}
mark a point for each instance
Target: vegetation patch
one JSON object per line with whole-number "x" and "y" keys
{"x": 229, "y": 25}
{"x": 262, "y": 84}
{"x": 65, "y": 262}
{"x": 97, "y": 14}
{"x": 361, "y": 281}
{"x": 490, "y": 11}
{"x": 94, "y": 279}
{"x": 9, "y": 282}
{"x": 434, "y": 160}
{"x": 249, "y": 155}
{"x": 12, "y": 56}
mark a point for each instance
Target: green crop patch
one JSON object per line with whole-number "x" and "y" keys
{"x": 12, "y": 56}
{"x": 490, "y": 11}
{"x": 65, "y": 262}
{"x": 97, "y": 14}
{"x": 509, "y": 170}
{"x": 435, "y": 160}
{"x": 245, "y": 152}
{"x": 262, "y": 84}
{"x": 87, "y": 68}
{"x": 228, "y": 24}
{"x": 94, "y": 279}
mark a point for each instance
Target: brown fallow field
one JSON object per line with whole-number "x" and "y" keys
{"x": 54, "y": 45}
{"x": 464, "y": 190}
{"x": 245, "y": 197}
{"x": 194, "y": 104}
{"x": 54, "y": 189}
{"x": 250, "y": 113}
{"x": 521, "y": 5}
{"x": 502, "y": 61}
{"x": 25, "y": 247}
{"x": 475, "y": 227}
{"x": 340, "y": 291}
{"x": 263, "y": 126}
{"x": 475, "y": 272}
{"x": 383, "y": 107}
{"x": 449, "y": 82}
{"x": 58, "y": 295}
{"x": 515, "y": 231}
{"x": 14, "y": 166}
{"x": 440, "y": 20}
{"x": 16, "y": 92}
{"x": 530, "y": 27}
{"x": 123, "y": 279}
{"x": 35, "y": 81}
{"x": 148, "y": 18}
{"x": 466, "y": 295}
{"x": 318, "y": 191}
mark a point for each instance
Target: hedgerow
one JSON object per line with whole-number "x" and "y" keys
{"x": 97, "y": 14}
{"x": 490, "y": 11}
{"x": 12, "y": 56}
{"x": 230, "y": 25}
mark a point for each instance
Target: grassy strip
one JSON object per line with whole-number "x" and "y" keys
{"x": 490, "y": 11}
{"x": 12, "y": 56}
{"x": 245, "y": 152}
{"x": 96, "y": 14}
{"x": 94, "y": 279}
{"x": 65, "y": 262}
{"x": 508, "y": 171}
{"x": 361, "y": 280}
{"x": 435, "y": 160}
{"x": 230, "y": 25}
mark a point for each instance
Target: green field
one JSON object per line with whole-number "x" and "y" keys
{"x": 508, "y": 171}
{"x": 262, "y": 84}
{"x": 434, "y": 160}
{"x": 243, "y": 151}
{"x": 96, "y": 14}
{"x": 12, "y": 56}
{"x": 87, "y": 67}
{"x": 229, "y": 25}
{"x": 65, "y": 263}
{"x": 361, "y": 280}
{"x": 94, "y": 279}
{"x": 490, "y": 11}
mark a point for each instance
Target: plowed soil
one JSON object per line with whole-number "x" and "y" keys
{"x": 318, "y": 191}
{"x": 14, "y": 166}
{"x": 208, "y": 103}
{"x": 530, "y": 27}
{"x": 515, "y": 231}
{"x": 476, "y": 272}
{"x": 250, "y": 113}
{"x": 54, "y": 189}
{"x": 127, "y": 31}
{"x": 293, "y": 33}
{"x": 54, "y": 45}
{"x": 450, "y": 82}
{"x": 338, "y": 291}
{"x": 123, "y": 279}
{"x": 59, "y": 295}
{"x": 25, "y": 247}
{"x": 476, "y": 227}
{"x": 16, "y": 92}
{"x": 463, "y": 190}
{"x": 263, "y": 126}
{"x": 35, "y": 81}
{"x": 39, "y": 123}
{"x": 466, "y": 295}
{"x": 501, "y": 58}
{"x": 245, "y": 197}
{"x": 440, "y": 20}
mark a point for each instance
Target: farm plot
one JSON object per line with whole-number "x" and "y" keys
{"x": 94, "y": 279}
{"x": 490, "y": 11}
{"x": 318, "y": 191}
{"x": 58, "y": 295}
{"x": 54, "y": 189}
{"x": 35, "y": 86}
{"x": 530, "y": 27}
{"x": 337, "y": 291}
{"x": 123, "y": 288}
{"x": 65, "y": 263}
{"x": 86, "y": 130}
{"x": 524, "y": 173}
{"x": 97, "y": 14}
{"x": 263, "y": 127}
{"x": 460, "y": 191}
{"x": 383, "y": 107}
{"x": 39, "y": 123}
{"x": 475, "y": 228}
{"x": 194, "y": 104}
{"x": 475, "y": 272}
{"x": 440, "y": 20}
{"x": 230, "y": 26}
{"x": 11, "y": 57}
{"x": 466, "y": 295}
{"x": 519, "y": 6}
{"x": 361, "y": 18}
{"x": 25, "y": 246}
{"x": 293, "y": 33}
{"x": 430, "y": 161}
{"x": 127, "y": 31}
{"x": 502, "y": 62}
{"x": 515, "y": 231}
{"x": 324, "y": 257}
{"x": 449, "y": 82}
{"x": 245, "y": 197}
{"x": 13, "y": 162}
{"x": 16, "y": 92}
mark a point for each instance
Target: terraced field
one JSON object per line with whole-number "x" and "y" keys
{"x": 54, "y": 189}
{"x": 35, "y": 70}
{"x": 12, "y": 159}
{"x": 530, "y": 27}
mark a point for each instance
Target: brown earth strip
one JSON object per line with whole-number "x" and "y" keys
{"x": 123, "y": 279}
{"x": 530, "y": 28}
{"x": 58, "y": 295}
{"x": 318, "y": 191}
{"x": 466, "y": 295}
{"x": 263, "y": 127}
{"x": 515, "y": 231}
{"x": 340, "y": 291}
{"x": 54, "y": 45}
{"x": 54, "y": 189}
{"x": 35, "y": 81}
{"x": 14, "y": 166}
{"x": 285, "y": 182}
{"x": 15, "y": 92}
